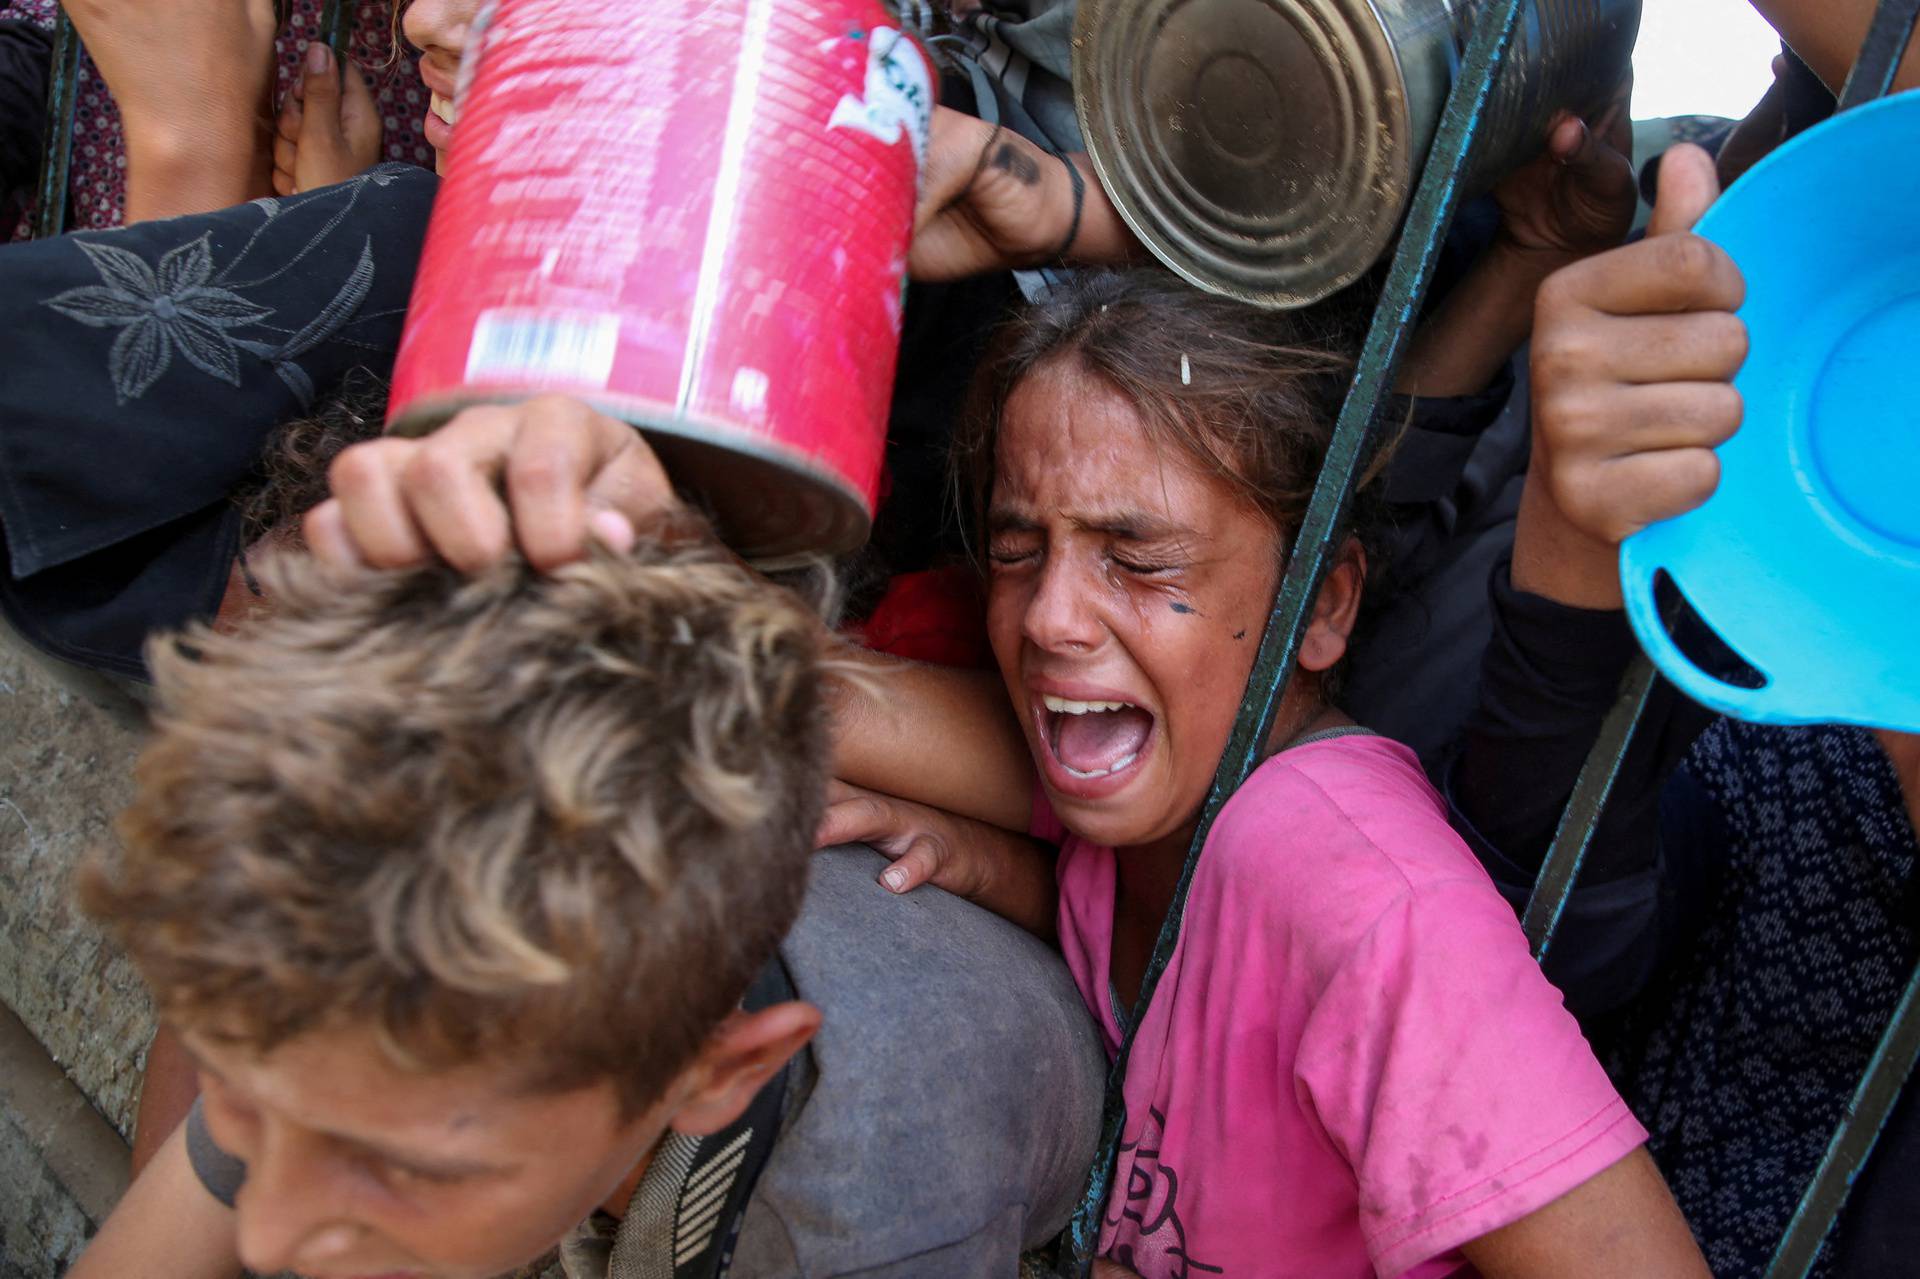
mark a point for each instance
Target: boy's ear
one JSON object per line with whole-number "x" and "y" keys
{"x": 745, "y": 1052}
{"x": 1335, "y": 610}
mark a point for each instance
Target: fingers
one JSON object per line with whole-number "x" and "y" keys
{"x": 1579, "y": 349}
{"x": 361, "y": 128}
{"x": 1670, "y": 273}
{"x": 575, "y": 472}
{"x": 324, "y": 530}
{"x": 553, "y": 460}
{"x": 956, "y": 152}
{"x": 545, "y": 475}
{"x": 1616, "y": 498}
{"x": 373, "y": 514}
{"x": 856, "y": 816}
{"x": 1688, "y": 186}
{"x": 1569, "y": 139}
{"x": 916, "y": 866}
{"x": 1636, "y": 419}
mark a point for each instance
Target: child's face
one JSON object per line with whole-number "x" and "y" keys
{"x": 358, "y": 1168}
{"x": 1121, "y": 574}
{"x": 439, "y": 29}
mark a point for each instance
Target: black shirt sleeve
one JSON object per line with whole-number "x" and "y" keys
{"x": 1550, "y": 675}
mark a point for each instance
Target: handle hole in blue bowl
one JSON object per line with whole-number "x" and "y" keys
{"x": 1698, "y": 642}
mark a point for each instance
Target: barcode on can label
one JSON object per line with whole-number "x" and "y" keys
{"x": 548, "y": 346}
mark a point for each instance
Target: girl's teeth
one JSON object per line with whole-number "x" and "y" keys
{"x": 1116, "y": 766}
{"x": 1066, "y": 706}
{"x": 440, "y": 107}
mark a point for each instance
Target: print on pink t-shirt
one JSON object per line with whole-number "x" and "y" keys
{"x": 1352, "y": 1066}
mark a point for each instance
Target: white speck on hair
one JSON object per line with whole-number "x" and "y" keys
{"x": 682, "y": 633}
{"x": 1186, "y": 371}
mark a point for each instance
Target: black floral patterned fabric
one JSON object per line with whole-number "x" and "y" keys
{"x": 1742, "y": 1058}
{"x": 145, "y": 367}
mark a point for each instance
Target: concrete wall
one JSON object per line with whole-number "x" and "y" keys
{"x": 69, "y": 1064}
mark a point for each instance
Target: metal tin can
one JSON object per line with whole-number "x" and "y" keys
{"x": 1268, "y": 149}
{"x": 695, "y": 217}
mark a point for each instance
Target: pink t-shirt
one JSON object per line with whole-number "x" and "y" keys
{"x": 1352, "y": 1065}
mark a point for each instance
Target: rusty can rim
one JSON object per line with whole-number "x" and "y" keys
{"x": 1291, "y": 257}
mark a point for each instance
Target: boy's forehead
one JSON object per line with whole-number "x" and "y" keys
{"x": 343, "y": 1082}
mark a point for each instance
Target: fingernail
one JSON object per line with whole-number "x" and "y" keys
{"x": 895, "y": 878}
{"x": 318, "y": 56}
{"x": 613, "y": 529}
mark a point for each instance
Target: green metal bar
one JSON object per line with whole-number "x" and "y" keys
{"x": 336, "y": 28}
{"x": 1887, "y": 37}
{"x": 1582, "y": 815}
{"x": 1853, "y": 1140}
{"x": 56, "y": 158}
{"x": 1321, "y": 534}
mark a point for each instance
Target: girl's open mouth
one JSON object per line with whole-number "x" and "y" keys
{"x": 1093, "y": 741}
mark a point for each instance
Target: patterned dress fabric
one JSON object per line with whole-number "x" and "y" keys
{"x": 1742, "y": 1060}
{"x": 98, "y": 187}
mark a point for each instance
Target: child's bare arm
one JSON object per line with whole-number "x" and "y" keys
{"x": 1634, "y": 352}
{"x": 1621, "y": 1224}
{"x": 992, "y": 867}
{"x": 192, "y": 79}
{"x": 167, "y": 1227}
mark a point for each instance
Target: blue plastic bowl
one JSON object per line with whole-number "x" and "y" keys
{"x": 1806, "y": 561}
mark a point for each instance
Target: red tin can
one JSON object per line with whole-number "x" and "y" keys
{"x": 695, "y": 217}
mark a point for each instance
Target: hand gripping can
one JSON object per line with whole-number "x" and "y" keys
{"x": 694, "y": 217}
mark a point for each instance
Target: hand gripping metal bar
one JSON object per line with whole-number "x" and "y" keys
{"x": 1320, "y": 537}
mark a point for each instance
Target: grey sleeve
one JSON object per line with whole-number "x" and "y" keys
{"x": 982, "y": 1255}
{"x": 219, "y": 1172}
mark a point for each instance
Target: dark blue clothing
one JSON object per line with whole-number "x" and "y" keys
{"x": 1745, "y": 925}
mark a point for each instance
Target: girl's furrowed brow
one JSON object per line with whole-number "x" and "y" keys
{"x": 1131, "y": 526}
{"x": 1135, "y": 526}
{"x": 1001, "y": 520}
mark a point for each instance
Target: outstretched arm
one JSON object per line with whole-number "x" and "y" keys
{"x": 192, "y": 79}
{"x": 167, "y": 1227}
{"x": 1632, "y": 357}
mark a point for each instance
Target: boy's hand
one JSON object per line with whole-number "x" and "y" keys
{"x": 329, "y": 126}
{"x": 1006, "y": 873}
{"x": 1575, "y": 198}
{"x": 541, "y": 476}
{"x": 1633, "y": 355}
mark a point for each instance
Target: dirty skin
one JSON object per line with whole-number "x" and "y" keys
{"x": 1017, "y": 164}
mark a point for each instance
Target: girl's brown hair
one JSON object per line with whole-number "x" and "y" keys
{"x": 1247, "y": 394}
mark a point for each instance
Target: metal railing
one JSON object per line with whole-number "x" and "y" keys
{"x": 1321, "y": 535}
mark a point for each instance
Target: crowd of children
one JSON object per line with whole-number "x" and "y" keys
{"x": 472, "y": 866}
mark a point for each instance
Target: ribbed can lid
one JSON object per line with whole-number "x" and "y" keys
{"x": 1260, "y": 148}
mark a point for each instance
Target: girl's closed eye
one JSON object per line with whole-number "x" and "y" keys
{"x": 1006, "y": 550}
{"x": 1145, "y": 565}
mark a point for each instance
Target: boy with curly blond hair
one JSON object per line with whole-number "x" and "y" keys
{"x": 475, "y": 900}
